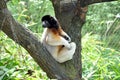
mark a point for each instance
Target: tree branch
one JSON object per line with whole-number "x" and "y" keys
{"x": 30, "y": 42}
{"x": 88, "y": 2}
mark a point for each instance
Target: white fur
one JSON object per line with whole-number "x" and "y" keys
{"x": 52, "y": 44}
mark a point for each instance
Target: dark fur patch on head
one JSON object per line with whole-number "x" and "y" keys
{"x": 49, "y": 22}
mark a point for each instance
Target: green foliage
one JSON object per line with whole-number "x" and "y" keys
{"x": 16, "y": 63}
{"x": 100, "y": 42}
{"x": 99, "y": 63}
{"x": 29, "y": 12}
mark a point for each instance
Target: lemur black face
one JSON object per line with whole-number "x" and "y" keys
{"x": 49, "y": 22}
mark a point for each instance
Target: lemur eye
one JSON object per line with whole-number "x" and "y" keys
{"x": 66, "y": 38}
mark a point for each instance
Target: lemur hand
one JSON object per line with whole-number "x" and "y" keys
{"x": 68, "y": 46}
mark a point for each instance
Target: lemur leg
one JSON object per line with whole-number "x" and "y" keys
{"x": 66, "y": 54}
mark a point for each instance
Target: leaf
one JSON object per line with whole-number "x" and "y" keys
{"x": 1, "y": 72}
{"x": 15, "y": 1}
{"x": 7, "y": 51}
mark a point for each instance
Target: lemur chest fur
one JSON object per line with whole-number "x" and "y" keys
{"x": 54, "y": 34}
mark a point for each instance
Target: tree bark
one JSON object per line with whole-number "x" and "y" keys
{"x": 88, "y": 2}
{"x": 71, "y": 16}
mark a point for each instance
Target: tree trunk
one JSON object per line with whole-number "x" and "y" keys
{"x": 71, "y": 16}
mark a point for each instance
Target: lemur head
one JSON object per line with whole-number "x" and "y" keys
{"x": 49, "y": 22}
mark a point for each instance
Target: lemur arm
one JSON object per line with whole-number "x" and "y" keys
{"x": 44, "y": 35}
{"x": 64, "y": 35}
{"x": 57, "y": 40}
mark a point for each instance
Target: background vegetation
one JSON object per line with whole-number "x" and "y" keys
{"x": 100, "y": 42}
